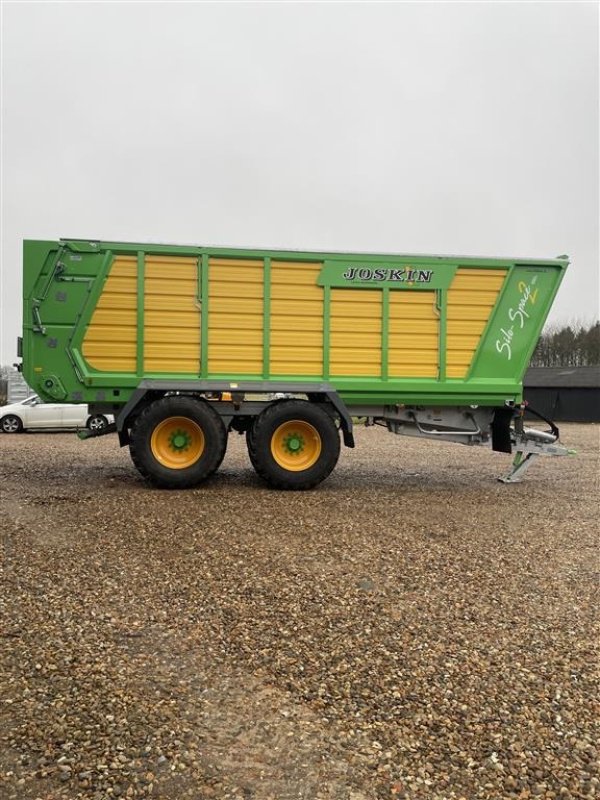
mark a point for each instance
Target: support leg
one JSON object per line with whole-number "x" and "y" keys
{"x": 521, "y": 463}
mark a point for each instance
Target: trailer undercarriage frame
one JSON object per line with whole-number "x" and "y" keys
{"x": 501, "y": 428}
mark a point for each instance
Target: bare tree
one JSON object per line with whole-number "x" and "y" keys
{"x": 573, "y": 345}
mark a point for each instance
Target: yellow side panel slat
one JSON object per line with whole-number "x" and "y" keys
{"x": 229, "y": 367}
{"x": 470, "y": 272}
{"x": 291, "y": 339}
{"x": 235, "y": 338}
{"x": 246, "y": 290}
{"x": 294, "y": 273}
{"x": 165, "y": 350}
{"x": 407, "y": 297}
{"x": 455, "y": 371}
{"x": 478, "y": 278}
{"x": 224, "y": 263}
{"x": 283, "y": 322}
{"x": 351, "y": 368}
{"x": 299, "y": 292}
{"x": 110, "y": 341}
{"x": 115, "y": 300}
{"x": 366, "y": 340}
{"x": 296, "y": 336}
{"x": 112, "y": 333}
{"x": 236, "y": 322}
{"x": 229, "y": 352}
{"x": 471, "y": 299}
{"x": 187, "y": 320}
{"x": 155, "y": 302}
{"x": 414, "y": 327}
{"x": 460, "y": 356}
{"x": 414, "y": 357}
{"x": 345, "y": 309}
{"x": 416, "y": 312}
{"x": 172, "y": 335}
{"x": 348, "y": 324}
{"x": 303, "y": 352}
{"x": 124, "y": 267}
{"x": 174, "y": 272}
{"x": 462, "y": 342}
{"x": 353, "y": 351}
{"x": 237, "y": 274}
{"x": 357, "y": 324}
{"x": 411, "y": 342}
{"x": 172, "y": 262}
{"x": 165, "y": 287}
{"x": 112, "y": 364}
{"x": 295, "y": 308}
{"x": 104, "y": 319}
{"x": 467, "y": 297}
{"x": 403, "y": 368}
{"x": 171, "y": 315}
{"x": 117, "y": 349}
{"x": 118, "y": 285}
{"x": 300, "y": 368}
{"x": 469, "y": 322}
{"x": 170, "y": 364}
{"x": 232, "y": 305}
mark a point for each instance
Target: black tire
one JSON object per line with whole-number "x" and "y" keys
{"x": 261, "y": 437}
{"x": 97, "y": 422}
{"x": 195, "y": 413}
{"x": 11, "y": 424}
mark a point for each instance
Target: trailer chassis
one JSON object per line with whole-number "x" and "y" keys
{"x": 500, "y": 428}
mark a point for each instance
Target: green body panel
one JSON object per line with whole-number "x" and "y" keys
{"x": 63, "y": 281}
{"x": 516, "y": 322}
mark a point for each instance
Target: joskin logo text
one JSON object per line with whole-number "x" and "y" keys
{"x": 383, "y": 274}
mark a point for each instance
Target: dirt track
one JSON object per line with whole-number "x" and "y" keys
{"x": 412, "y": 629}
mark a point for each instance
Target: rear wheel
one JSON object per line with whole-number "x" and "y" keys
{"x": 11, "y": 424}
{"x": 293, "y": 444}
{"x": 178, "y": 442}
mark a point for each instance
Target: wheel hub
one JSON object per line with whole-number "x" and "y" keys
{"x": 180, "y": 441}
{"x": 294, "y": 444}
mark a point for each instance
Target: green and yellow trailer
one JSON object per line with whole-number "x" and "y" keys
{"x": 183, "y": 344}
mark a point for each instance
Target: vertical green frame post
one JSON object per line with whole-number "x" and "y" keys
{"x": 442, "y": 307}
{"x": 141, "y": 278}
{"x": 266, "y": 371}
{"x": 326, "y": 330}
{"x": 204, "y": 316}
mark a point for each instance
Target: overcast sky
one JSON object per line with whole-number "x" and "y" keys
{"x": 411, "y": 128}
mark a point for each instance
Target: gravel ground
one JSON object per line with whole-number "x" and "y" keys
{"x": 411, "y": 629}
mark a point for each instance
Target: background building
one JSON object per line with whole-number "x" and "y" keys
{"x": 564, "y": 394}
{"x": 12, "y": 386}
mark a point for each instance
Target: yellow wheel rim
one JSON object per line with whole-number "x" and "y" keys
{"x": 177, "y": 442}
{"x": 296, "y": 445}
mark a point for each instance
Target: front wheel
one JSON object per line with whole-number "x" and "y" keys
{"x": 11, "y": 424}
{"x": 178, "y": 442}
{"x": 293, "y": 444}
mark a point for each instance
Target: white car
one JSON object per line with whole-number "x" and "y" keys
{"x": 32, "y": 413}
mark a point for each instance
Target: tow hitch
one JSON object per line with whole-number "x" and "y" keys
{"x": 530, "y": 443}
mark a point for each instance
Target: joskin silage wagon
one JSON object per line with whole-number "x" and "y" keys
{"x": 184, "y": 344}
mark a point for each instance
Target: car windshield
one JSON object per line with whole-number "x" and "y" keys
{"x": 31, "y": 401}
